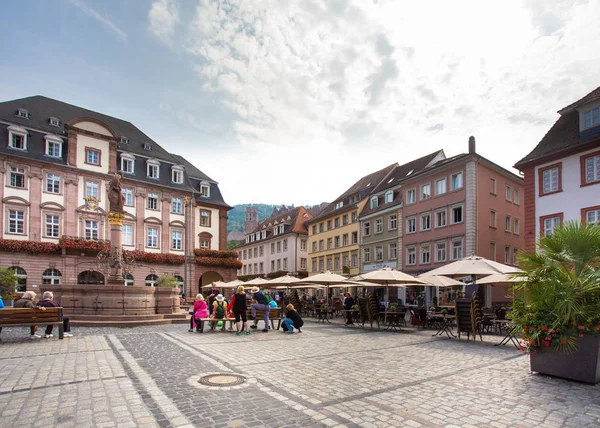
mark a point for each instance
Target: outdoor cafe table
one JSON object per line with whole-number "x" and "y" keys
{"x": 447, "y": 324}
{"x": 393, "y": 318}
{"x": 323, "y": 314}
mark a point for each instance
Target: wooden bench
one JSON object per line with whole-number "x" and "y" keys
{"x": 27, "y": 317}
{"x": 274, "y": 315}
{"x": 213, "y": 323}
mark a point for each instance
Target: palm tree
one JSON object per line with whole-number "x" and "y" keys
{"x": 559, "y": 301}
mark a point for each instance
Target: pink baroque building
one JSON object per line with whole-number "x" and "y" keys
{"x": 54, "y": 156}
{"x": 460, "y": 206}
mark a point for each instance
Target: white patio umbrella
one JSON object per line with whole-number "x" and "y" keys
{"x": 475, "y": 266}
{"x": 389, "y": 277}
{"x": 284, "y": 280}
{"x": 234, "y": 283}
{"x": 256, "y": 281}
{"x": 500, "y": 278}
{"x": 327, "y": 279}
{"x": 439, "y": 280}
{"x": 218, "y": 284}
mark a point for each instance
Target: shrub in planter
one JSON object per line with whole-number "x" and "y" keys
{"x": 558, "y": 304}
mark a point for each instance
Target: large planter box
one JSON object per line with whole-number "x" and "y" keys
{"x": 167, "y": 300}
{"x": 582, "y": 366}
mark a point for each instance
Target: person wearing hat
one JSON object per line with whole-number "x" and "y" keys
{"x": 219, "y": 311}
{"x": 212, "y": 297}
{"x": 261, "y": 303}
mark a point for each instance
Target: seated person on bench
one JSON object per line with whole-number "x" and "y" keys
{"x": 47, "y": 302}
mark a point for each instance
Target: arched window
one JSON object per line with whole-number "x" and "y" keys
{"x": 151, "y": 280}
{"x": 90, "y": 277}
{"x": 51, "y": 276}
{"x": 128, "y": 279}
{"x": 22, "y": 278}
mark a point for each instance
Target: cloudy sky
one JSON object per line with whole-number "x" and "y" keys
{"x": 293, "y": 101}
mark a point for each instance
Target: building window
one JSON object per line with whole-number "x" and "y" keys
{"x": 151, "y": 280}
{"x": 440, "y": 218}
{"x": 176, "y": 240}
{"x": 53, "y": 148}
{"x": 508, "y": 195}
{"x": 411, "y": 256}
{"x": 591, "y": 118}
{"x": 321, "y": 227}
{"x": 354, "y": 238}
{"x": 425, "y": 191}
{"x": 457, "y": 249}
{"x": 379, "y": 253}
{"x": 128, "y": 195}
{"x": 314, "y": 246}
{"x": 51, "y": 276}
{"x": 255, "y": 252}
{"x": 550, "y": 179}
{"x": 152, "y": 201}
{"x": 148, "y": 147}
{"x": 23, "y": 113}
{"x": 205, "y": 190}
{"x": 344, "y": 219}
{"x": 591, "y": 215}
{"x": 21, "y": 275}
{"x": 492, "y": 254}
{"x": 285, "y": 244}
{"x": 374, "y": 202}
{"x": 52, "y": 183}
{"x": 549, "y": 223}
{"x": 456, "y": 181}
{"x": 425, "y": 254}
{"x": 91, "y": 230}
{"x": 329, "y": 264}
{"x": 393, "y": 222}
{"x": 389, "y": 197}
{"x": 411, "y": 225}
{"x": 440, "y": 252}
{"x": 516, "y": 226}
{"x": 128, "y": 280}
{"x": 279, "y": 245}
{"x": 590, "y": 168}
{"x": 54, "y": 122}
{"x": 492, "y": 186}
{"x": 302, "y": 263}
{"x": 425, "y": 222}
{"x": 440, "y": 186}
{"x": 314, "y": 229}
{"x": 91, "y": 189}
{"x": 493, "y": 218}
{"x": 177, "y": 206}
{"x": 329, "y": 225}
{"x": 354, "y": 217}
{"x": 127, "y": 234}
{"x": 507, "y": 258}
{"x": 52, "y": 226}
{"x": 411, "y": 196}
{"x": 393, "y": 251}
{"x": 16, "y": 222}
{"x": 204, "y": 243}
{"x": 367, "y": 255}
{"x": 153, "y": 169}
{"x": 507, "y": 224}
{"x": 457, "y": 214}
{"x": 379, "y": 226}
{"x": 336, "y": 222}
{"x": 285, "y": 263}
{"x": 516, "y": 197}
{"x": 321, "y": 245}
{"x": 92, "y": 156}
{"x": 515, "y": 258}
{"x": 128, "y": 164}
{"x": 329, "y": 243}
{"x": 17, "y": 138}
{"x": 367, "y": 228}
{"x": 302, "y": 245}
{"x": 354, "y": 260}
{"x": 17, "y": 177}
{"x": 337, "y": 242}
{"x": 177, "y": 176}
{"x": 152, "y": 238}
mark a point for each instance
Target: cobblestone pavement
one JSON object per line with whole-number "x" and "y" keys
{"x": 327, "y": 376}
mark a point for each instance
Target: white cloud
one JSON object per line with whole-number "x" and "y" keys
{"x": 88, "y": 10}
{"x": 163, "y": 17}
{"x": 325, "y": 92}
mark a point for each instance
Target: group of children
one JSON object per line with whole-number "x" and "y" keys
{"x": 218, "y": 309}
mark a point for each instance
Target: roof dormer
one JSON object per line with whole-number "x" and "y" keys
{"x": 54, "y": 121}
{"x": 22, "y": 113}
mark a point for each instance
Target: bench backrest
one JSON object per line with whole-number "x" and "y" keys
{"x": 28, "y": 315}
{"x": 273, "y": 312}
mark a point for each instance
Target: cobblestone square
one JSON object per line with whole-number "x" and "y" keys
{"x": 327, "y": 376}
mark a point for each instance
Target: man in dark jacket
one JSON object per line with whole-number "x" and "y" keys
{"x": 47, "y": 302}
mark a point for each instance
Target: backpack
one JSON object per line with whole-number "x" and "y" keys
{"x": 220, "y": 311}
{"x": 268, "y": 298}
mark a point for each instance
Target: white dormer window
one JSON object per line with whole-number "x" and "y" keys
{"x": 339, "y": 204}
{"x": 591, "y": 118}
{"x": 389, "y": 197}
{"x": 177, "y": 175}
{"x": 124, "y": 140}
{"x": 205, "y": 190}
{"x": 53, "y": 146}
{"x": 127, "y": 163}
{"x": 263, "y": 234}
{"x": 23, "y": 113}
{"x": 153, "y": 169}
{"x": 374, "y": 202}
{"x": 17, "y": 138}
{"x": 281, "y": 228}
{"x": 148, "y": 146}
{"x": 276, "y": 230}
{"x": 54, "y": 121}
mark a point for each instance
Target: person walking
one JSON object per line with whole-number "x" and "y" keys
{"x": 48, "y": 302}
{"x": 292, "y": 319}
{"x": 239, "y": 311}
{"x": 261, "y": 303}
{"x": 198, "y": 312}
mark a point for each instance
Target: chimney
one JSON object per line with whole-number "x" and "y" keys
{"x": 471, "y": 144}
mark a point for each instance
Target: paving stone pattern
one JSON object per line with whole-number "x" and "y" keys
{"x": 328, "y": 376}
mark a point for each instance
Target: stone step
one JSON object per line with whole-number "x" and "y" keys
{"x": 131, "y": 322}
{"x": 85, "y": 317}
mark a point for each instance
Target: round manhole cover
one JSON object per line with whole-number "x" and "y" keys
{"x": 225, "y": 379}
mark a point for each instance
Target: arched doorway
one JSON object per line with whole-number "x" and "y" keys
{"x": 90, "y": 277}
{"x": 207, "y": 278}
{"x": 51, "y": 276}
{"x": 21, "y": 278}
